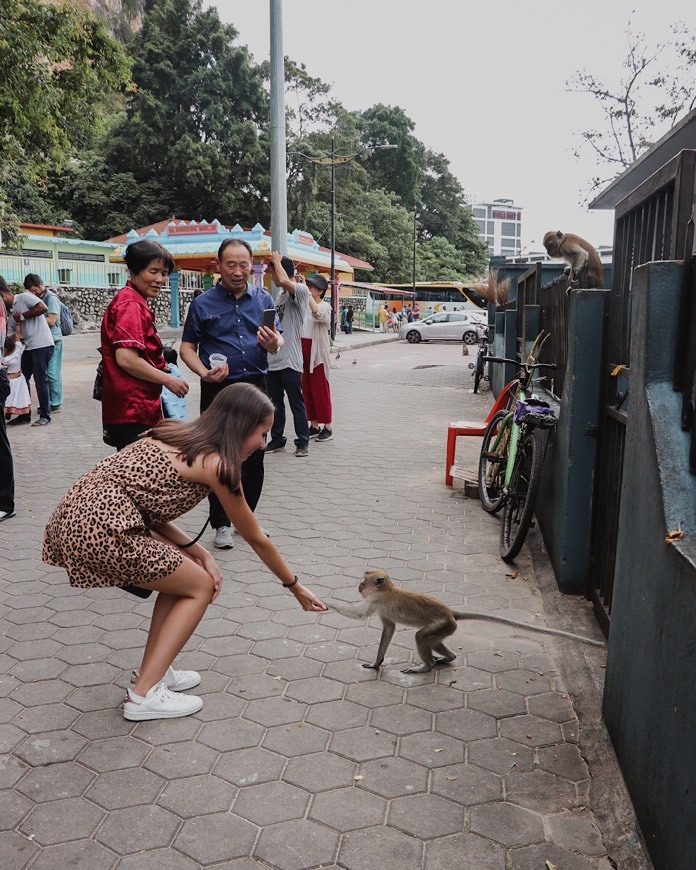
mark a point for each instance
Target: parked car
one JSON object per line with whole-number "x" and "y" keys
{"x": 445, "y": 326}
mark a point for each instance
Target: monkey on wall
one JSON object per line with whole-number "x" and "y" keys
{"x": 434, "y": 620}
{"x": 584, "y": 268}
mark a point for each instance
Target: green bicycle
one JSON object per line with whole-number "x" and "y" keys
{"x": 511, "y": 459}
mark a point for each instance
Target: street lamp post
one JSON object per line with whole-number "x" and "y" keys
{"x": 333, "y": 160}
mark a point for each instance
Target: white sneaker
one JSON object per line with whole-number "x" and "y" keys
{"x": 175, "y": 681}
{"x": 223, "y": 538}
{"x": 160, "y": 703}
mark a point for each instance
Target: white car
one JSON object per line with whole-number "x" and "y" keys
{"x": 445, "y": 326}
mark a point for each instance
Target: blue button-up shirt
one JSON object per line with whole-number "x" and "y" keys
{"x": 219, "y": 323}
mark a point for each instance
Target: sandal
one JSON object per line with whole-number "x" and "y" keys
{"x": 42, "y": 422}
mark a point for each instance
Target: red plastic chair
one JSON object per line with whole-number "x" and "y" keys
{"x": 465, "y": 427}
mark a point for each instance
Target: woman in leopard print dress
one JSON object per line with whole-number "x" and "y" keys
{"x": 114, "y": 528}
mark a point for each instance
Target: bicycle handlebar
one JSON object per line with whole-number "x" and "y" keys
{"x": 502, "y": 359}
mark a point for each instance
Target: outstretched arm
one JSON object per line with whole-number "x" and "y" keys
{"x": 353, "y": 611}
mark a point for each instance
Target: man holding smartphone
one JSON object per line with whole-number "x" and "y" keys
{"x": 228, "y": 320}
{"x": 285, "y": 369}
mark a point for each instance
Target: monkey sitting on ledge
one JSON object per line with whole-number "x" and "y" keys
{"x": 434, "y": 620}
{"x": 584, "y": 265}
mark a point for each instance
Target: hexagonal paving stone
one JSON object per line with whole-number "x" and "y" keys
{"x": 229, "y": 735}
{"x": 42, "y": 692}
{"x": 375, "y": 693}
{"x": 50, "y": 748}
{"x": 220, "y": 706}
{"x": 181, "y": 759}
{"x": 531, "y": 857}
{"x": 467, "y": 784}
{"x": 275, "y": 711}
{"x": 402, "y": 719}
{"x": 500, "y": 755}
{"x": 13, "y": 808}
{"x": 96, "y": 698}
{"x": 297, "y": 845}
{"x": 432, "y": 749}
{"x": 240, "y": 665}
{"x": 217, "y": 837}
{"x": 255, "y": 686}
{"x": 38, "y": 669}
{"x": 137, "y": 829}
{"x": 316, "y": 773}
{"x": 56, "y": 781}
{"x": 46, "y": 717}
{"x": 330, "y": 651}
{"x": 363, "y": 744}
{"x": 564, "y": 759}
{"x": 115, "y": 753}
{"x": 278, "y": 648}
{"x": 540, "y": 791}
{"x": 197, "y": 796}
{"x": 530, "y": 730}
{"x": 16, "y": 850}
{"x": 57, "y": 821}
{"x": 553, "y": 706}
{"x": 314, "y": 690}
{"x": 249, "y": 766}
{"x": 9, "y": 738}
{"x": 523, "y": 682}
{"x": 270, "y": 803}
{"x": 506, "y": 824}
{"x": 497, "y": 702}
{"x": 426, "y": 816}
{"x": 82, "y": 853}
{"x": 91, "y": 674}
{"x": 396, "y": 851}
{"x": 160, "y": 858}
{"x": 435, "y": 698}
{"x": 392, "y": 777}
{"x": 125, "y": 788}
{"x": 295, "y": 669}
{"x": 348, "y": 809}
{"x": 337, "y": 715}
{"x": 297, "y": 739}
{"x": 101, "y": 724}
{"x": 576, "y": 831}
{"x": 466, "y": 724}
{"x": 464, "y": 850}
{"x": 494, "y": 661}
{"x": 160, "y": 732}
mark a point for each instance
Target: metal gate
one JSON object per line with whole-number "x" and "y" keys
{"x": 651, "y": 224}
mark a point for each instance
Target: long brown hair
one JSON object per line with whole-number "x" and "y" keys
{"x": 221, "y": 429}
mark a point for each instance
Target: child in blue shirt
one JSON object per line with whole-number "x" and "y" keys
{"x": 173, "y": 406}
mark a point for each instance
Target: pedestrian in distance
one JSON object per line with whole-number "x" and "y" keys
{"x": 27, "y": 312}
{"x": 227, "y": 321}
{"x": 172, "y": 405}
{"x": 134, "y": 370}
{"x": 285, "y": 368}
{"x": 383, "y": 317}
{"x": 115, "y": 527}
{"x": 18, "y": 401}
{"x": 350, "y": 314}
{"x": 7, "y": 503}
{"x": 315, "y": 353}
{"x": 35, "y": 285}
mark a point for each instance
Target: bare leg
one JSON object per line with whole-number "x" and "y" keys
{"x": 186, "y": 594}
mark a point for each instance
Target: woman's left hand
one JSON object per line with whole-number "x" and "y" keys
{"x": 308, "y": 600}
{"x": 211, "y": 566}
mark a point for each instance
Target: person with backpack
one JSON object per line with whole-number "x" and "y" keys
{"x": 34, "y": 284}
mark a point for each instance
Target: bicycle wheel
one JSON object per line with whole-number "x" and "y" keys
{"x": 492, "y": 461}
{"x": 522, "y": 495}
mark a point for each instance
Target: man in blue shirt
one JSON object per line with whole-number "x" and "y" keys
{"x": 227, "y": 320}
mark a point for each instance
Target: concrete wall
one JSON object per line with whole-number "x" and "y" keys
{"x": 88, "y": 305}
{"x": 650, "y": 691}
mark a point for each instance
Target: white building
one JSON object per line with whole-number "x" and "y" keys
{"x": 499, "y": 225}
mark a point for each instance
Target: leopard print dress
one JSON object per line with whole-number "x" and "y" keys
{"x": 100, "y": 531}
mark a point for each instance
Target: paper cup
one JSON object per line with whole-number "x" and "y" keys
{"x": 217, "y": 359}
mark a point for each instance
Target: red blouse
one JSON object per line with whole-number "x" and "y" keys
{"x": 128, "y": 322}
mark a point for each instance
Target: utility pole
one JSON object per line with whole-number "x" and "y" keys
{"x": 279, "y": 197}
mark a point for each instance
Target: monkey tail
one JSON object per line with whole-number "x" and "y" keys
{"x": 459, "y": 615}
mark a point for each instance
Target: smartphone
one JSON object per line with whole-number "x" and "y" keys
{"x": 268, "y": 317}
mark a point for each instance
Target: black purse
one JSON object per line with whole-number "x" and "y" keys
{"x": 98, "y": 388}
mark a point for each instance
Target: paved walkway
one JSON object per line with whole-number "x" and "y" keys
{"x": 301, "y": 758}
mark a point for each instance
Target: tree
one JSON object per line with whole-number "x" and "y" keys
{"x": 658, "y": 86}
{"x": 56, "y": 64}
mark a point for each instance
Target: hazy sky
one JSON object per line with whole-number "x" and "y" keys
{"x": 484, "y": 83}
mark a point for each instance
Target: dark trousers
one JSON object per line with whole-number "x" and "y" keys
{"x": 120, "y": 435}
{"x": 280, "y": 383}
{"x": 35, "y": 363}
{"x": 252, "y": 469}
{"x": 6, "y": 470}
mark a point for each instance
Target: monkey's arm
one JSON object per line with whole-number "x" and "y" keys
{"x": 354, "y": 611}
{"x": 387, "y": 634}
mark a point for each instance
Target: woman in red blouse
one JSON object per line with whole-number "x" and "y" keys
{"x": 134, "y": 370}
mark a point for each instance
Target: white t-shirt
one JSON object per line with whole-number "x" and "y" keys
{"x": 35, "y": 330}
